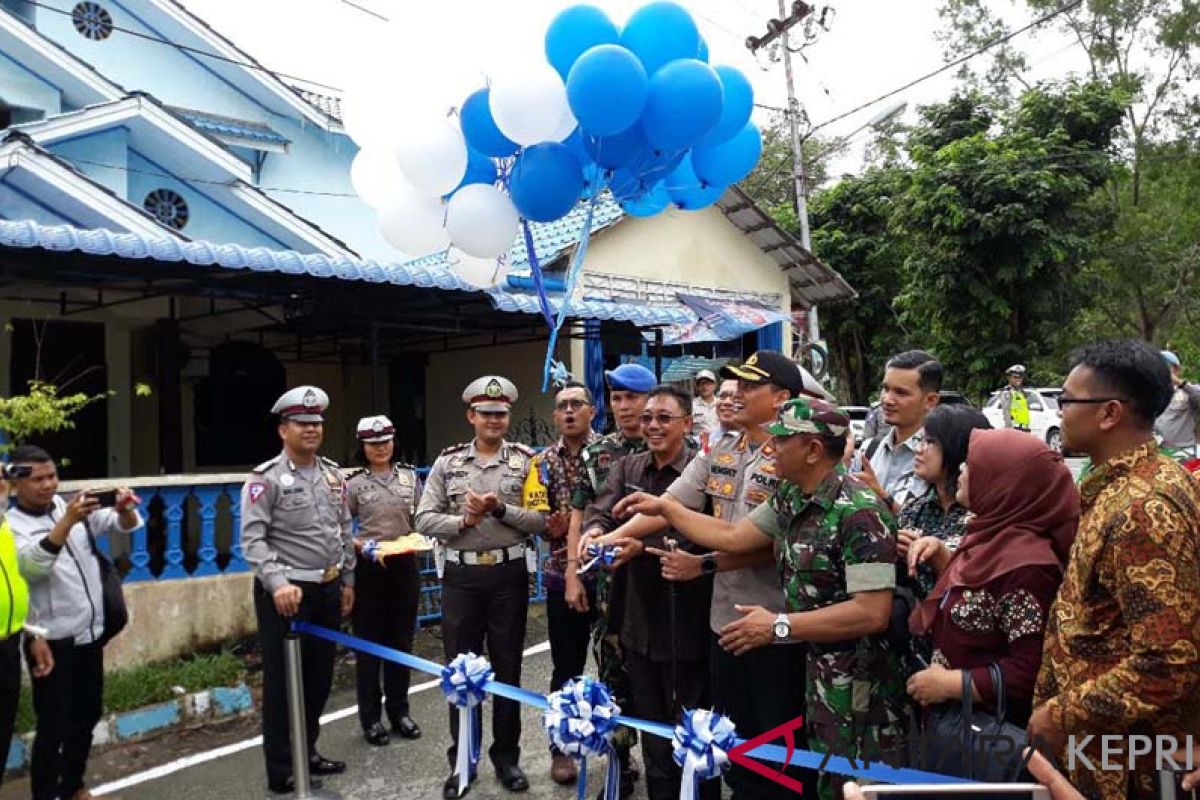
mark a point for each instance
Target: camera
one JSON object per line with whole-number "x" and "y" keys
{"x": 106, "y": 498}
{"x": 12, "y": 471}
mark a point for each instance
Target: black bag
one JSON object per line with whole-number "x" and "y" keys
{"x": 116, "y": 613}
{"x": 960, "y": 741}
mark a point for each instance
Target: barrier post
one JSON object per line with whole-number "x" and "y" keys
{"x": 296, "y": 729}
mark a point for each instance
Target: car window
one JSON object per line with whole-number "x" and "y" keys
{"x": 993, "y": 401}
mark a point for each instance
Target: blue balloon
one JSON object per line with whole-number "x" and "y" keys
{"x": 617, "y": 151}
{"x": 607, "y": 90}
{"x": 624, "y": 185}
{"x": 659, "y": 165}
{"x": 687, "y": 191}
{"x": 661, "y": 32}
{"x": 593, "y": 180}
{"x": 546, "y": 182}
{"x": 479, "y": 129}
{"x": 480, "y": 169}
{"x": 684, "y": 104}
{"x": 731, "y": 161}
{"x": 647, "y": 204}
{"x": 702, "y": 52}
{"x": 735, "y": 113}
{"x": 575, "y": 31}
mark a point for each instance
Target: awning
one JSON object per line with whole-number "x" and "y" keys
{"x": 720, "y": 321}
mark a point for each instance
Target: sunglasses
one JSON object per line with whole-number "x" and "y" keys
{"x": 573, "y": 405}
{"x": 661, "y": 419}
{"x": 1063, "y": 400}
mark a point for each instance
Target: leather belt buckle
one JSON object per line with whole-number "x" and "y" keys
{"x": 486, "y": 559}
{"x": 331, "y": 573}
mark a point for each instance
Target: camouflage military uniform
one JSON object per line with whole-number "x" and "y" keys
{"x": 828, "y": 546}
{"x": 598, "y": 461}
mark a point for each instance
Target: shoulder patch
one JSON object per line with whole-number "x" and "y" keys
{"x": 266, "y": 465}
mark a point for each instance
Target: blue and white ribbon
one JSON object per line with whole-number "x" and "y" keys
{"x": 463, "y": 682}
{"x": 702, "y": 741}
{"x": 580, "y": 720}
{"x": 370, "y": 550}
{"x": 602, "y": 555}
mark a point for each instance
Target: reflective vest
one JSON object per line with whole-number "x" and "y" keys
{"x": 14, "y": 593}
{"x": 1018, "y": 408}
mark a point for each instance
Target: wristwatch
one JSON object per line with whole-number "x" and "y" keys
{"x": 708, "y": 564}
{"x": 782, "y": 628}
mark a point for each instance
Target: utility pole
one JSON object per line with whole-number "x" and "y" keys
{"x": 778, "y": 29}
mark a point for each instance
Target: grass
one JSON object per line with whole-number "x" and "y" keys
{"x": 127, "y": 689}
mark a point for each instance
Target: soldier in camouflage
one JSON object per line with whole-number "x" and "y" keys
{"x": 834, "y": 545}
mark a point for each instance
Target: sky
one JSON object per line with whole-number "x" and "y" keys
{"x": 447, "y": 48}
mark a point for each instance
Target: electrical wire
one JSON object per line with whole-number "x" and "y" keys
{"x": 365, "y": 10}
{"x": 952, "y": 64}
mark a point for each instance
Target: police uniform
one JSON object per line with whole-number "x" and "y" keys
{"x": 1014, "y": 403}
{"x": 387, "y": 591}
{"x": 296, "y": 529}
{"x": 485, "y": 589}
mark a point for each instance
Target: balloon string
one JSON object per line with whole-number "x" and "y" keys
{"x": 573, "y": 272}
{"x": 535, "y": 268}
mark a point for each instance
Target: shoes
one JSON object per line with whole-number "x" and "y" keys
{"x": 512, "y": 778}
{"x": 625, "y": 788}
{"x": 407, "y": 728}
{"x": 563, "y": 770}
{"x": 377, "y": 735}
{"x": 319, "y": 765}
{"x": 450, "y": 788}
{"x": 288, "y": 786}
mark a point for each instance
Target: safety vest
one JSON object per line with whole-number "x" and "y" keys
{"x": 1018, "y": 408}
{"x": 14, "y": 593}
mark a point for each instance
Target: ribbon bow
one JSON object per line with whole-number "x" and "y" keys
{"x": 702, "y": 742}
{"x": 371, "y": 550}
{"x": 463, "y": 680}
{"x": 604, "y": 555}
{"x": 580, "y": 720}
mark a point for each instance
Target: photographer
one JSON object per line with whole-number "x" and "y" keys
{"x": 57, "y": 556}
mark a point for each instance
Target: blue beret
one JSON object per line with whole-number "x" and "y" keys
{"x": 1171, "y": 358}
{"x": 631, "y": 378}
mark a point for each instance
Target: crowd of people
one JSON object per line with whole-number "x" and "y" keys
{"x": 737, "y": 550}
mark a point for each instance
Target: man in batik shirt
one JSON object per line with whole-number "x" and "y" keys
{"x": 835, "y": 549}
{"x": 1122, "y": 651}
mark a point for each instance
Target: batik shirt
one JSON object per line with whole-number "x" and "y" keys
{"x": 830, "y": 545}
{"x": 1122, "y": 653}
{"x": 558, "y": 471}
{"x": 925, "y": 514}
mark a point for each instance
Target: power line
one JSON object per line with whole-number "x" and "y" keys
{"x": 365, "y": 10}
{"x": 952, "y": 64}
{"x": 254, "y": 65}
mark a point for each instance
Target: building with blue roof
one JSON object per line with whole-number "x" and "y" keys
{"x": 177, "y": 227}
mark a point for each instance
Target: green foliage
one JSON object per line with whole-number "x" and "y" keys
{"x": 129, "y": 689}
{"x": 43, "y": 410}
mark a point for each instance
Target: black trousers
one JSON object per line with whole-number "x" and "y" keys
{"x": 570, "y": 633}
{"x": 651, "y": 684}
{"x": 321, "y": 604}
{"x": 761, "y": 690}
{"x": 10, "y": 689}
{"x": 385, "y": 612}
{"x": 68, "y": 703}
{"x": 488, "y": 603}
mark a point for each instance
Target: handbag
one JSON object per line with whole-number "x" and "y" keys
{"x": 116, "y": 612}
{"x": 961, "y": 741}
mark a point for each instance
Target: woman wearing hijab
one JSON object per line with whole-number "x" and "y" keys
{"x": 992, "y": 595}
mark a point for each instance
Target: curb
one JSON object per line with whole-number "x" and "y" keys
{"x": 129, "y": 726}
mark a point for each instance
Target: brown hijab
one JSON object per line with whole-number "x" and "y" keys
{"x": 1025, "y": 512}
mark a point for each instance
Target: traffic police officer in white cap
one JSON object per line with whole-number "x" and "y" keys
{"x": 296, "y": 535}
{"x": 472, "y": 503}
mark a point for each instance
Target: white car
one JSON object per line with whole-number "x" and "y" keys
{"x": 1045, "y": 416}
{"x": 858, "y": 420}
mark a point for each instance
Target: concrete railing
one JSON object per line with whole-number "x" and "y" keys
{"x": 193, "y": 530}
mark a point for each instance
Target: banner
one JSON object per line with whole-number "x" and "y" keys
{"x": 720, "y": 320}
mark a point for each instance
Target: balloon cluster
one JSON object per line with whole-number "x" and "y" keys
{"x": 636, "y": 110}
{"x": 702, "y": 743}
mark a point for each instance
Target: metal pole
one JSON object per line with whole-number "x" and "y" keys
{"x": 296, "y": 730}
{"x": 658, "y": 353}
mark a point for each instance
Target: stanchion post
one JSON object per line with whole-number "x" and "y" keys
{"x": 296, "y": 727}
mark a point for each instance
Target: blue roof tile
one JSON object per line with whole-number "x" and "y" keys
{"x": 216, "y": 125}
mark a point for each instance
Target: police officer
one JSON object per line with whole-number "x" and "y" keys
{"x": 296, "y": 535}
{"x": 1014, "y": 403}
{"x": 384, "y": 496}
{"x": 473, "y": 503}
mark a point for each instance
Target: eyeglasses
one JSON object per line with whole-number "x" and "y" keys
{"x": 574, "y": 405}
{"x": 661, "y": 419}
{"x": 1063, "y": 400}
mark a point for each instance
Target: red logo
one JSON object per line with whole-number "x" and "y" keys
{"x": 740, "y": 755}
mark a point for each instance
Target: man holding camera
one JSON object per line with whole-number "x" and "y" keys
{"x": 56, "y": 546}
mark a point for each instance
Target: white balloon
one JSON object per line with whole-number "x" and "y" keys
{"x": 413, "y": 223}
{"x": 375, "y": 176}
{"x": 482, "y": 220}
{"x": 566, "y": 126}
{"x": 433, "y": 156}
{"x": 483, "y": 273}
{"x": 528, "y": 103}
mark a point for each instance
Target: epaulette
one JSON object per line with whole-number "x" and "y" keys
{"x": 523, "y": 449}
{"x": 454, "y": 448}
{"x": 329, "y": 462}
{"x": 404, "y": 465}
{"x": 266, "y": 465}
{"x": 354, "y": 473}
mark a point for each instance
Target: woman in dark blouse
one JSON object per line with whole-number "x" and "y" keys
{"x": 992, "y": 595}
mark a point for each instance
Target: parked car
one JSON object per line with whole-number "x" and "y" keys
{"x": 858, "y": 420}
{"x": 952, "y": 398}
{"x": 1045, "y": 416}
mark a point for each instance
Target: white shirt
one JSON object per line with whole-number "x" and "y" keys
{"x": 893, "y": 465}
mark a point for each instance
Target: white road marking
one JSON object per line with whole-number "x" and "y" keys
{"x": 211, "y": 755}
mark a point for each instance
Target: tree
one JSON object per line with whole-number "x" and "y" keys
{"x": 772, "y": 184}
{"x": 999, "y": 218}
{"x": 43, "y": 410}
